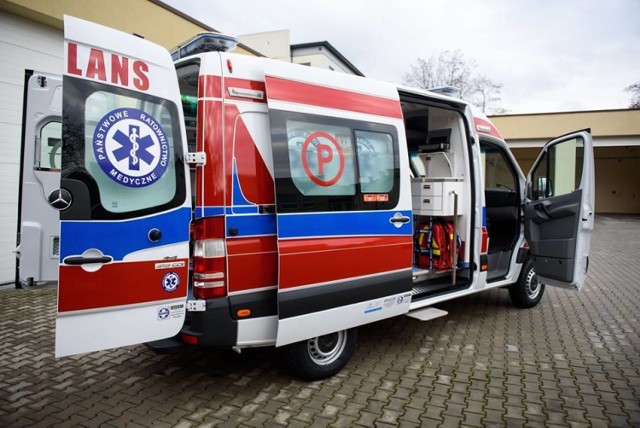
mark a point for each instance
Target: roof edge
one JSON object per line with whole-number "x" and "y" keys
{"x": 199, "y": 23}
{"x": 331, "y": 49}
{"x": 564, "y": 112}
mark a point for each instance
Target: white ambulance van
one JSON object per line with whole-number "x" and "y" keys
{"x": 231, "y": 201}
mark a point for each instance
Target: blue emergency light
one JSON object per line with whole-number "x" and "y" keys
{"x": 204, "y": 42}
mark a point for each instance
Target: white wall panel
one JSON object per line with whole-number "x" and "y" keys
{"x": 24, "y": 44}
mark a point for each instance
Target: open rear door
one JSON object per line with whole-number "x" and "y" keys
{"x": 559, "y": 210}
{"x": 39, "y": 242}
{"x": 124, "y": 252}
{"x": 344, "y": 217}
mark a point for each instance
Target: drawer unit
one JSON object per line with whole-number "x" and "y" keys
{"x": 422, "y": 204}
{"x": 426, "y": 188}
{"x": 435, "y": 196}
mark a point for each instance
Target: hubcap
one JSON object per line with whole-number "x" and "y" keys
{"x": 324, "y": 350}
{"x": 532, "y": 285}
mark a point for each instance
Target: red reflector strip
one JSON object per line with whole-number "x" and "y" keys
{"x": 484, "y": 245}
{"x": 207, "y": 265}
{"x": 188, "y": 339}
{"x": 209, "y": 292}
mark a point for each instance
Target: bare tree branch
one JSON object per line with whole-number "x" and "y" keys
{"x": 635, "y": 94}
{"x": 454, "y": 69}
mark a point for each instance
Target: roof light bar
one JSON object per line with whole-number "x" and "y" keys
{"x": 450, "y": 91}
{"x": 204, "y": 42}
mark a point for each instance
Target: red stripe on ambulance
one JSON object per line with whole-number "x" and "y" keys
{"x": 486, "y": 127}
{"x": 252, "y": 263}
{"x": 253, "y": 85}
{"x": 210, "y": 86}
{"x": 255, "y": 179}
{"x": 86, "y": 290}
{"x": 321, "y": 96}
{"x": 484, "y": 245}
{"x": 349, "y": 257}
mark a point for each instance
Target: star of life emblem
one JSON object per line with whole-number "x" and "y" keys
{"x": 131, "y": 147}
{"x": 170, "y": 281}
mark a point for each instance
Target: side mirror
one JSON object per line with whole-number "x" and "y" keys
{"x": 543, "y": 188}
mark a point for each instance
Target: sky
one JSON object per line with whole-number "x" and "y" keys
{"x": 549, "y": 55}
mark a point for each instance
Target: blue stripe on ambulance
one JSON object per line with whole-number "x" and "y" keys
{"x": 119, "y": 238}
{"x": 251, "y": 225}
{"x": 372, "y": 223}
{"x": 218, "y": 210}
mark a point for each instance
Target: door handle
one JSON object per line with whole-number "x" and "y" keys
{"x": 400, "y": 219}
{"x": 542, "y": 207}
{"x": 75, "y": 261}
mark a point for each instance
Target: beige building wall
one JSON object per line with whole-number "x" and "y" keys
{"x": 317, "y": 61}
{"x": 151, "y": 19}
{"x": 273, "y": 44}
{"x": 616, "y": 138}
{"x": 617, "y": 177}
{"x": 545, "y": 126}
{"x": 609, "y": 128}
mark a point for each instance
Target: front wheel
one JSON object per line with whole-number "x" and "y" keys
{"x": 527, "y": 291}
{"x": 320, "y": 357}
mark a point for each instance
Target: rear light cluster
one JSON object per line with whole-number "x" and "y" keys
{"x": 209, "y": 261}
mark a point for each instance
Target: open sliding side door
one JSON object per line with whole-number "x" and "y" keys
{"x": 124, "y": 252}
{"x": 559, "y": 210}
{"x": 343, "y": 201}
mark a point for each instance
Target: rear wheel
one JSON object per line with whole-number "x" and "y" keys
{"x": 527, "y": 291}
{"x": 320, "y": 357}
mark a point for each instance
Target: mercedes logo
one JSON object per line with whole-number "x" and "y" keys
{"x": 60, "y": 199}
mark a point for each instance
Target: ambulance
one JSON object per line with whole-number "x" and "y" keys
{"x": 219, "y": 200}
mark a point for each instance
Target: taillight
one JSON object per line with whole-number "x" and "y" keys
{"x": 209, "y": 258}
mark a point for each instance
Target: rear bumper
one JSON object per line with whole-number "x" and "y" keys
{"x": 216, "y": 326}
{"x": 213, "y": 326}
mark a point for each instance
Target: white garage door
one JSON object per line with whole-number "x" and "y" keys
{"x": 24, "y": 45}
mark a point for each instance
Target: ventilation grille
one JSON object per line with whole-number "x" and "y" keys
{"x": 54, "y": 247}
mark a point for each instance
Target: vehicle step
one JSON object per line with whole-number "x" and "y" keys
{"x": 426, "y": 314}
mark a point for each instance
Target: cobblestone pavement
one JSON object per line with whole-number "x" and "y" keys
{"x": 572, "y": 361}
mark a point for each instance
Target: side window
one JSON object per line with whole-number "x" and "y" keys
{"x": 50, "y": 142}
{"x": 321, "y": 159}
{"x": 375, "y": 161}
{"x": 188, "y": 76}
{"x": 498, "y": 172}
{"x": 559, "y": 170}
{"x": 331, "y": 164}
{"x": 124, "y": 147}
{"x": 126, "y": 158}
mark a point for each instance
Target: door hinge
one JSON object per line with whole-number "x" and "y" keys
{"x": 196, "y": 158}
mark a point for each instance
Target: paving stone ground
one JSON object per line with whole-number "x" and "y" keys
{"x": 572, "y": 361}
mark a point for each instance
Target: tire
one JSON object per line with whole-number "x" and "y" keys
{"x": 320, "y": 357}
{"x": 527, "y": 291}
